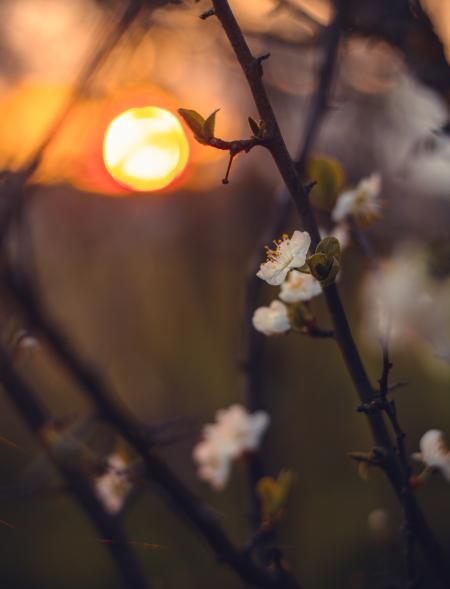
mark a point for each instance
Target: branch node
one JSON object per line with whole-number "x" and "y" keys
{"x": 207, "y": 14}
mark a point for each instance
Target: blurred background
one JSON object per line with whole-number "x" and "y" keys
{"x": 151, "y": 285}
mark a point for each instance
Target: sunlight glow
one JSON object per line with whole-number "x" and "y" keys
{"x": 145, "y": 149}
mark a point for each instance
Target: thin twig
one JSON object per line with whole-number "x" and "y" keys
{"x": 390, "y": 409}
{"x": 383, "y": 403}
{"x": 342, "y": 330}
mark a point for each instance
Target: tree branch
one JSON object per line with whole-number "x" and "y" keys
{"x": 342, "y": 330}
{"x": 254, "y": 339}
{"x": 184, "y": 502}
{"x": 39, "y": 420}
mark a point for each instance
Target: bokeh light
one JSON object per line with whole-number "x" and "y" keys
{"x": 145, "y": 149}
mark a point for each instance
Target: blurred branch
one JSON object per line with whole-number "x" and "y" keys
{"x": 40, "y": 422}
{"x": 342, "y": 330}
{"x": 408, "y": 523}
{"x": 129, "y": 15}
{"x": 184, "y": 502}
{"x": 24, "y": 294}
{"x": 405, "y": 25}
{"x": 297, "y": 11}
{"x": 383, "y": 403}
{"x": 255, "y": 341}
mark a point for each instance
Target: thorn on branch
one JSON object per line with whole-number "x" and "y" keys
{"x": 258, "y": 63}
{"x": 207, "y": 14}
{"x": 310, "y": 186}
{"x": 397, "y": 385}
{"x": 376, "y": 457}
{"x": 225, "y": 179}
{"x": 374, "y": 406}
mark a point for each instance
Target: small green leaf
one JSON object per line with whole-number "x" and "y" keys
{"x": 209, "y": 125}
{"x": 304, "y": 269}
{"x": 320, "y": 265}
{"x": 253, "y": 126}
{"x": 330, "y": 180}
{"x": 193, "y": 120}
{"x": 329, "y": 246}
{"x": 335, "y": 267}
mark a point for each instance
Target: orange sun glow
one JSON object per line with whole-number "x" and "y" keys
{"x": 145, "y": 149}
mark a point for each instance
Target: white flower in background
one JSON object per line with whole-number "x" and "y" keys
{"x": 434, "y": 452}
{"x": 362, "y": 202}
{"x": 299, "y": 287}
{"x": 113, "y": 486}
{"x": 272, "y": 320}
{"x": 341, "y": 232}
{"x": 235, "y": 431}
{"x": 404, "y": 303}
{"x": 288, "y": 254}
{"x": 214, "y": 461}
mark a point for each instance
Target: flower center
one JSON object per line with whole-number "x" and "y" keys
{"x": 274, "y": 254}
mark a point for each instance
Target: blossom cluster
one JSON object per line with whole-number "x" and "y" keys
{"x": 285, "y": 264}
{"x": 361, "y": 203}
{"x": 236, "y": 431}
{"x": 281, "y": 269}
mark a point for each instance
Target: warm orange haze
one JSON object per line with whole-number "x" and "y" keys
{"x": 113, "y": 145}
{"x": 224, "y": 294}
{"x": 145, "y": 149}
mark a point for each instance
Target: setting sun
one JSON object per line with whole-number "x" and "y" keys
{"x": 146, "y": 148}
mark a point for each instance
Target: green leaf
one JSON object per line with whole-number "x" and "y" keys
{"x": 193, "y": 120}
{"x": 330, "y": 246}
{"x": 330, "y": 180}
{"x": 209, "y": 125}
{"x": 304, "y": 269}
{"x": 320, "y": 265}
{"x": 323, "y": 267}
{"x": 253, "y": 126}
{"x": 335, "y": 267}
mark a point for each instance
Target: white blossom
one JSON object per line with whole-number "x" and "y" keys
{"x": 362, "y": 202}
{"x": 288, "y": 254}
{"x": 434, "y": 452}
{"x": 214, "y": 462}
{"x": 341, "y": 231}
{"x": 272, "y": 320}
{"x": 114, "y": 485}
{"x": 299, "y": 287}
{"x": 404, "y": 303}
{"x": 235, "y": 431}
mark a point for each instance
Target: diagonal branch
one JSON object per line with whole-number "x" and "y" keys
{"x": 184, "y": 502}
{"x": 38, "y": 419}
{"x": 342, "y": 330}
